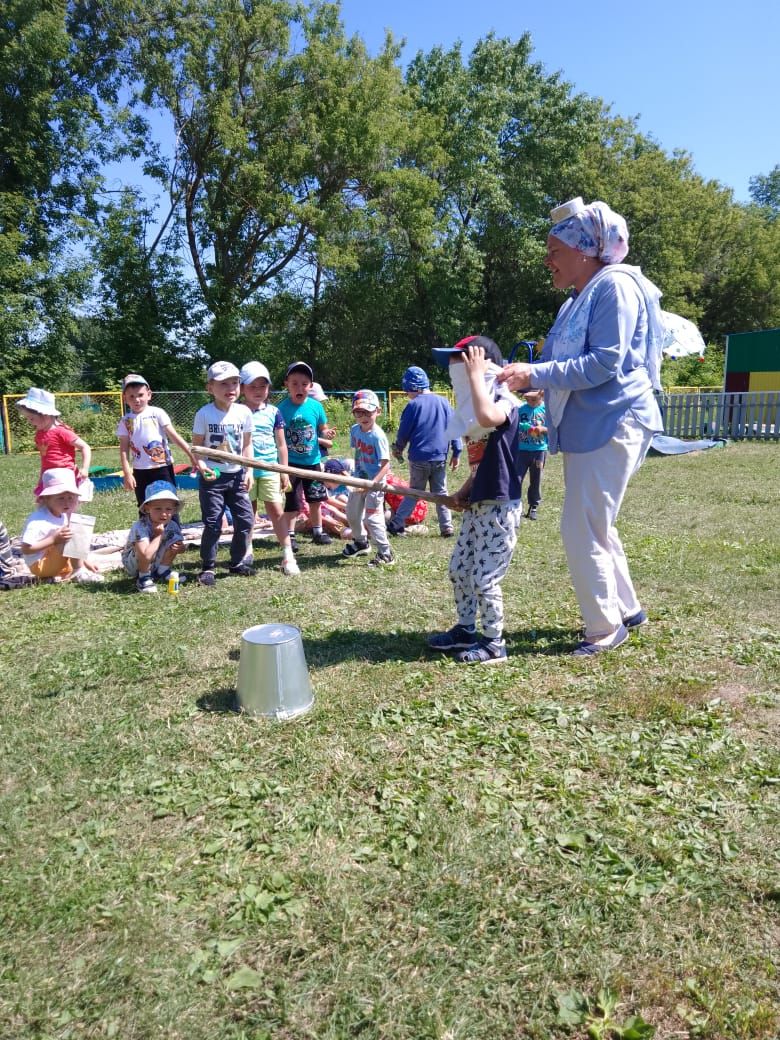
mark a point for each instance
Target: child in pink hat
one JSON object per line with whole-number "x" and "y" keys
{"x": 48, "y": 529}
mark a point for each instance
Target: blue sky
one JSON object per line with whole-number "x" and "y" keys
{"x": 702, "y": 77}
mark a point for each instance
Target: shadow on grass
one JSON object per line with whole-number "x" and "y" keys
{"x": 547, "y": 642}
{"x": 379, "y": 646}
{"x": 220, "y": 702}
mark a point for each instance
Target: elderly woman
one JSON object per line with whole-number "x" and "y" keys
{"x": 600, "y": 364}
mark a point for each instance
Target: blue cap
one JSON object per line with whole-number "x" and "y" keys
{"x": 442, "y": 355}
{"x": 415, "y": 379}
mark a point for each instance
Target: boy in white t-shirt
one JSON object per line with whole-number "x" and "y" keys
{"x": 48, "y": 529}
{"x": 226, "y": 426}
{"x": 144, "y": 431}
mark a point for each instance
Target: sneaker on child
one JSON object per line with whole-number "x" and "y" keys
{"x": 455, "y": 638}
{"x": 145, "y": 583}
{"x": 383, "y": 559}
{"x": 290, "y": 568}
{"x": 243, "y": 570}
{"x": 85, "y": 577}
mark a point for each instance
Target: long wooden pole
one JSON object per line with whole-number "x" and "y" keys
{"x": 327, "y": 478}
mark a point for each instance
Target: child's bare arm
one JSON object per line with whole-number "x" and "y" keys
{"x": 487, "y": 413}
{"x": 199, "y": 440}
{"x": 460, "y": 498}
{"x": 58, "y": 537}
{"x": 146, "y": 549}
{"x": 246, "y": 450}
{"x": 282, "y": 455}
{"x": 382, "y": 472}
{"x": 180, "y": 442}
{"x": 127, "y": 469}
{"x": 86, "y": 456}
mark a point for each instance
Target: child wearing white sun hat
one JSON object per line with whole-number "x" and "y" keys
{"x": 54, "y": 439}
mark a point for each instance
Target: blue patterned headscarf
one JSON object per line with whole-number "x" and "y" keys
{"x": 595, "y": 231}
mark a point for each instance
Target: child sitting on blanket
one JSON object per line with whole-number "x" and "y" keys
{"x": 155, "y": 539}
{"x": 47, "y": 530}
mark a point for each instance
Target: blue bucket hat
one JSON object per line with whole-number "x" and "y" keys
{"x": 414, "y": 380}
{"x": 160, "y": 490}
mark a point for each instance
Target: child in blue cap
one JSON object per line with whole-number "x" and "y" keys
{"x": 155, "y": 539}
{"x": 423, "y": 427}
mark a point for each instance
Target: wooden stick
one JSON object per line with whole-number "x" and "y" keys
{"x": 327, "y": 478}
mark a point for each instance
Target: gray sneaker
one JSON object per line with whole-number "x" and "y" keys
{"x": 383, "y": 559}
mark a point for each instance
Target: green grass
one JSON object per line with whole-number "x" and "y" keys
{"x": 550, "y": 848}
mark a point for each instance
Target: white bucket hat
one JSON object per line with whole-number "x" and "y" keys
{"x": 40, "y": 401}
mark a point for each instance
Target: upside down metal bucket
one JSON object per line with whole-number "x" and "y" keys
{"x": 273, "y": 679}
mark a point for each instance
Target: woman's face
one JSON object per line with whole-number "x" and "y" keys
{"x": 564, "y": 263}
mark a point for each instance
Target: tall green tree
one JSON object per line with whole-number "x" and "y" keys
{"x": 497, "y": 141}
{"x": 58, "y": 102}
{"x": 282, "y": 125}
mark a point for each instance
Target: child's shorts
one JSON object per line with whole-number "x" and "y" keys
{"x": 267, "y": 487}
{"x": 130, "y": 561}
{"x": 303, "y": 489}
{"x": 52, "y": 564}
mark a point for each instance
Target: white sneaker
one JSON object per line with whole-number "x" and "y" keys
{"x": 290, "y": 567}
{"x": 85, "y": 577}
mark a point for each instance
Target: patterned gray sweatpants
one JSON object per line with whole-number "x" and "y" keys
{"x": 480, "y": 560}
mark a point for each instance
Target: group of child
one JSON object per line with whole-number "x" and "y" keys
{"x": 504, "y": 438}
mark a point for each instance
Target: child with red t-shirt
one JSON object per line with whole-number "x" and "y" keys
{"x": 55, "y": 440}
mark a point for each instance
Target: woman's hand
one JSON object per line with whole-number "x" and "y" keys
{"x": 516, "y": 376}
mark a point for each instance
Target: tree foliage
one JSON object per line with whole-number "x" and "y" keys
{"x": 281, "y": 124}
{"x": 765, "y": 191}
{"x": 322, "y": 202}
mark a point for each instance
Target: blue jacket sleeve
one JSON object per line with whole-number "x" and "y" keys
{"x": 612, "y": 324}
{"x": 405, "y": 427}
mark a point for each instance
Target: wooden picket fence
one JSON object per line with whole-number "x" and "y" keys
{"x": 744, "y": 416}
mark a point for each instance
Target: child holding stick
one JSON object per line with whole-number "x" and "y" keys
{"x": 372, "y": 462}
{"x": 268, "y": 445}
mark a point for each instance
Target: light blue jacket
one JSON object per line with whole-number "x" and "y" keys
{"x": 609, "y": 378}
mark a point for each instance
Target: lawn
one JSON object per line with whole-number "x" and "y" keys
{"x": 550, "y": 848}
